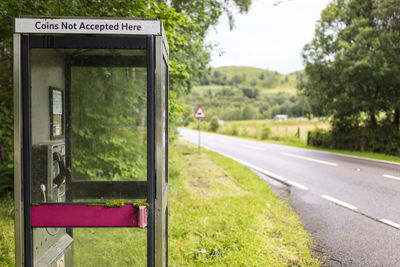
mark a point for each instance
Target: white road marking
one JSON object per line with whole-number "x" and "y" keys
{"x": 396, "y": 225}
{"x": 339, "y": 202}
{"x": 391, "y": 177}
{"x": 297, "y": 185}
{"x": 310, "y": 159}
{"x": 253, "y": 147}
{"x": 226, "y": 141}
{"x": 251, "y": 166}
{"x": 268, "y": 173}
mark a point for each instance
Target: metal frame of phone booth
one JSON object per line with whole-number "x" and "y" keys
{"x": 147, "y": 35}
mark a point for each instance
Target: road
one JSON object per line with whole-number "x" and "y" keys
{"x": 350, "y": 205}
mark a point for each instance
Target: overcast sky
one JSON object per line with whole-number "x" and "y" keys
{"x": 269, "y": 37}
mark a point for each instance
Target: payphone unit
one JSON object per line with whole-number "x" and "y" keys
{"x": 49, "y": 171}
{"x": 91, "y": 142}
{"x": 52, "y": 244}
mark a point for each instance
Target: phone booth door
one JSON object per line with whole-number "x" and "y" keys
{"x": 94, "y": 137}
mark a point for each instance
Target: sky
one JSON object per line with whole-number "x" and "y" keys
{"x": 268, "y": 36}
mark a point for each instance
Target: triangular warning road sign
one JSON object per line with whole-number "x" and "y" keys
{"x": 199, "y": 114}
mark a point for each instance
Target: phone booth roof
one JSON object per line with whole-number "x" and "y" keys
{"x": 85, "y": 25}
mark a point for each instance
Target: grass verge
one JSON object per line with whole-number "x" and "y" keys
{"x": 222, "y": 214}
{"x": 7, "y": 231}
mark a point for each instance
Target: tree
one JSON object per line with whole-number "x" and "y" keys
{"x": 175, "y": 25}
{"x": 352, "y": 65}
{"x": 250, "y": 93}
{"x": 248, "y": 113}
{"x": 207, "y": 13}
{"x": 236, "y": 79}
{"x": 345, "y": 62}
{"x": 388, "y": 22}
{"x": 185, "y": 27}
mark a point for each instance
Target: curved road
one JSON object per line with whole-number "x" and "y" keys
{"x": 350, "y": 205}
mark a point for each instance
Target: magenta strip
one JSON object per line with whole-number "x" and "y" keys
{"x": 83, "y": 216}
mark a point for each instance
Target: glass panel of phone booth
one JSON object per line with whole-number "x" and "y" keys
{"x": 89, "y": 108}
{"x": 110, "y": 247}
{"x": 104, "y": 118}
{"x": 109, "y": 123}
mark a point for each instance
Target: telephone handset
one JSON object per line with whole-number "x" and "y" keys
{"x": 60, "y": 178}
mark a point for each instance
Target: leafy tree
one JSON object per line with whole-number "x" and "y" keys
{"x": 248, "y": 113}
{"x": 250, "y": 93}
{"x": 237, "y": 79}
{"x": 175, "y": 25}
{"x": 388, "y": 23}
{"x": 185, "y": 23}
{"x": 345, "y": 63}
{"x": 207, "y": 13}
{"x": 352, "y": 65}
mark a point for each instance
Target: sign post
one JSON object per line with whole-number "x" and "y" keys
{"x": 199, "y": 114}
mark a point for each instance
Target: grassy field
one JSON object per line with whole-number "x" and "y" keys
{"x": 221, "y": 214}
{"x": 286, "y": 131}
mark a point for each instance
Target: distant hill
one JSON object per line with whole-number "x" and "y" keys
{"x": 250, "y": 77}
{"x": 246, "y": 93}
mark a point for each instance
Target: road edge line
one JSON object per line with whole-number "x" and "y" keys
{"x": 329, "y": 163}
{"x": 389, "y": 222}
{"x": 269, "y": 174}
{"x": 391, "y": 177}
{"x": 310, "y": 149}
{"x": 339, "y": 202}
{"x": 302, "y": 187}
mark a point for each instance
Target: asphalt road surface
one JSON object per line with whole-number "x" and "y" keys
{"x": 350, "y": 205}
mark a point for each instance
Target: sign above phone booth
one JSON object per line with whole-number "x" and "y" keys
{"x": 91, "y": 142}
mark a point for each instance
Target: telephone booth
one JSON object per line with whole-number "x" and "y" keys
{"x": 91, "y": 142}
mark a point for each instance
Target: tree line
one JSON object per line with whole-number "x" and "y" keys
{"x": 232, "y": 103}
{"x": 266, "y": 79}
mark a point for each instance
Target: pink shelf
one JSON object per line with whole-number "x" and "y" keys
{"x": 83, "y": 216}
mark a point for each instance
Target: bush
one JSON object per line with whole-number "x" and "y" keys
{"x": 214, "y": 125}
{"x": 320, "y": 138}
{"x": 265, "y": 132}
{"x": 234, "y": 130}
{"x": 244, "y": 132}
{"x": 350, "y": 135}
{"x": 188, "y": 120}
